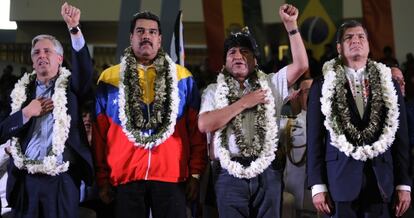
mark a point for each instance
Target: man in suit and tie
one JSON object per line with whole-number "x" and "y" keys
{"x": 358, "y": 150}
{"x": 49, "y": 148}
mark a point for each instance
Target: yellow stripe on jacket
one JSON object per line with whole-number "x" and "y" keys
{"x": 146, "y": 79}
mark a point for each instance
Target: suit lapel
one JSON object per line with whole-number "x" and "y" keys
{"x": 352, "y": 104}
{"x": 355, "y": 117}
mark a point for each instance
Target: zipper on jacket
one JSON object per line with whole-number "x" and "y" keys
{"x": 148, "y": 165}
{"x": 149, "y": 117}
{"x": 147, "y": 93}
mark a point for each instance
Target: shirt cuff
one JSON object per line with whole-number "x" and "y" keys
{"x": 24, "y": 119}
{"x": 403, "y": 188}
{"x": 318, "y": 188}
{"x": 77, "y": 41}
{"x": 196, "y": 176}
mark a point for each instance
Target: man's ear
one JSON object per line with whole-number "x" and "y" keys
{"x": 60, "y": 60}
{"x": 338, "y": 48}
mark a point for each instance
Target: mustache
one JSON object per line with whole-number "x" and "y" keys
{"x": 144, "y": 42}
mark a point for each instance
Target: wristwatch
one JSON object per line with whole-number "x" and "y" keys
{"x": 293, "y": 32}
{"x": 74, "y": 30}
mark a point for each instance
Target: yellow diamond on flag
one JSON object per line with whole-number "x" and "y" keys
{"x": 316, "y": 27}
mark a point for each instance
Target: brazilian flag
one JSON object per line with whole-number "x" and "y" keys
{"x": 317, "y": 22}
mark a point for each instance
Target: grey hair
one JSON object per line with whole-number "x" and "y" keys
{"x": 56, "y": 43}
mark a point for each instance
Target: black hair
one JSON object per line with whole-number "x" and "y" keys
{"x": 241, "y": 39}
{"x": 144, "y": 15}
{"x": 346, "y": 25}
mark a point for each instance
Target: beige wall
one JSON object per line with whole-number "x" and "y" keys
{"x": 108, "y": 10}
{"x": 352, "y": 8}
{"x": 403, "y": 18}
{"x": 49, "y": 10}
{"x": 152, "y": 5}
{"x": 270, "y": 10}
{"x": 93, "y": 10}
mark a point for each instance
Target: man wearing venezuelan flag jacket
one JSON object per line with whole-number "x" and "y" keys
{"x": 146, "y": 140}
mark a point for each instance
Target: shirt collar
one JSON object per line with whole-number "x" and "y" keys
{"x": 353, "y": 72}
{"x": 47, "y": 84}
{"x": 247, "y": 86}
{"x": 145, "y": 68}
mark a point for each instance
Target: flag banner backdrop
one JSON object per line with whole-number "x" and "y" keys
{"x": 169, "y": 10}
{"x": 318, "y": 21}
{"x": 377, "y": 16}
{"x": 223, "y": 17}
{"x": 177, "y": 41}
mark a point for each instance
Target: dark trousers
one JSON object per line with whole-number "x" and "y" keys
{"x": 257, "y": 197}
{"x": 369, "y": 203}
{"x": 134, "y": 199}
{"x": 353, "y": 210}
{"x": 49, "y": 197}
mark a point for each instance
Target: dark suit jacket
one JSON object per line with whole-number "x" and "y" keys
{"x": 410, "y": 120}
{"x": 343, "y": 175}
{"x": 76, "y": 151}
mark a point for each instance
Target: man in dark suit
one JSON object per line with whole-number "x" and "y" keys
{"x": 357, "y": 134}
{"x": 49, "y": 148}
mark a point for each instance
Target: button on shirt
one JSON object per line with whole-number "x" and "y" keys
{"x": 356, "y": 79}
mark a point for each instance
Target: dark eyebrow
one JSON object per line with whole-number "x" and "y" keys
{"x": 142, "y": 28}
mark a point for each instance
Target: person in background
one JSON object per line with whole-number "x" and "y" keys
{"x": 388, "y": 58}
{"x": 293, "y": 140}
{"x": 397, "y": 76}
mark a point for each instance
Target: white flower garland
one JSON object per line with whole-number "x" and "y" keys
{"x": 175, "y": 102}
{"x": 387, "y": 136}
{"x": 60, "y": 132}
{"x": 271, "y": 130}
